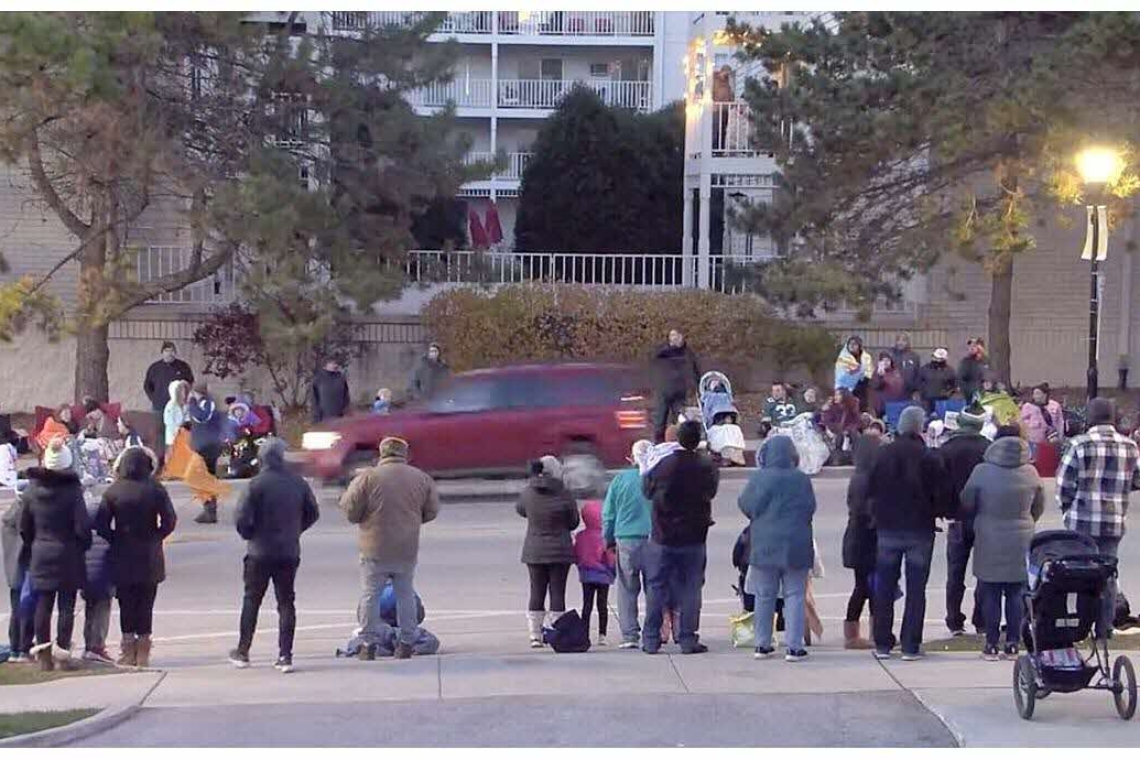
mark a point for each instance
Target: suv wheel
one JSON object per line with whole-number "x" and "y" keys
{"x": 583, "y": 472}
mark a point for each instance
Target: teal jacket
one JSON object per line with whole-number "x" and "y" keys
{"x": 626, "y": 513}
{"x": 779, "y": 502}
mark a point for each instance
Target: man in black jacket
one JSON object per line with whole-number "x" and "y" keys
{"x": 905, "y": 494}
{"x": 330, "y": 393}
{"x": 674, "y": 365}
{"x": 159, "y": 376}
{"x": 276, "y": 509}
{"x": 681, "y": 487}
{"x": 936, "y": 380}
{"x": 960, "y": 455}
{"x": 972, "y": 369}
{"x": 906, "y": 362}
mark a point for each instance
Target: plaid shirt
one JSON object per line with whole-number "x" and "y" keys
{"x": 1097, "y": 473}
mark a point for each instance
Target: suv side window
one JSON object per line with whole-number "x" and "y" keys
{"x": 532, "y": 392}
{"x": 468, "y": 395}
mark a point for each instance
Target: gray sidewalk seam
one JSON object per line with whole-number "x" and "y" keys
{"x": 681, "y": 678}
{"x": 959, "y": 738}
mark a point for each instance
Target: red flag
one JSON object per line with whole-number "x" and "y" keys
{"x": 478, "y": 232}
{"x": 494, "y": 229}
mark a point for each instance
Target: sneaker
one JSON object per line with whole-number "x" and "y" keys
{"x": 697, "y": 648}
{"x": 239, "y": 659}
{"x": 990, "y": 654}
{"x": 628, "y": 645}
{"x": 956, "y": 632}
{"x": 284, "y": 664}
{"x": 18, "y": 658}
{"x": 913, "y": 656}
{"x": 98, "y": 655}
{"x": 601, "y": 639}
{"x": 536, "y": 643}
{"x": 763, "y": 653}
{"x": 796, "y": 655}
{"x": 1010, "y": 652}
{"x": 881, "y": 654}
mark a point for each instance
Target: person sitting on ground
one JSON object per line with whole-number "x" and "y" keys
{"x": 841, "y": 419}
{"x": 779, "y": 408}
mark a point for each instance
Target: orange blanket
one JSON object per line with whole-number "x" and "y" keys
{"x": 183, "y": 463}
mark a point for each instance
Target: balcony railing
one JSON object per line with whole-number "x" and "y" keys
{"x": 516, "y": 163}
{"x": 548, "y": 93}
{"x": 157, "y": 261}
{"x": 571, "y": 23}
{"x": 732, "y": 130}
{"x": 471, "y": 93}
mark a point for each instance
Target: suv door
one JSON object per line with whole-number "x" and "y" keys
{"x": 465, "y": 425}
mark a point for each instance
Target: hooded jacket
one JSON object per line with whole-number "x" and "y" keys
{"x": 331, "y": 399}
{"x": 276, "y": 509}
{"x": 906, "y": 486}
{"x": 428, "y": 375}
{"x": 135, "y": 517}
{"x": 390, "y": 502}
{"x": 960, "y": 455}
{"x": 551, "y": 514}
{"x": 859, "y": 539}
{"x": 1006, "y": 497}
{"x": 779, "y": 502}
{"x": 908, "y": 364}
{"x": 682, "y": 488}
{"x": 674, "y": 367}
{"x": 55, "y": 525}
{"x": 971, "y": 373}
{"x": 209, "y": 428}
{"x": 160, "y": 376}
{"x": 595, "y": 563}
{"x": 173, "y": 415}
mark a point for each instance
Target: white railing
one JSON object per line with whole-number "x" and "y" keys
{"x": 157, "y": 261}
{"x": 471, "y": 93}
{"x": 516, "y": 163}
{"x": 577, "y": 23}
{"x": 548, "y": 93}
{"x": 732, "y": 130}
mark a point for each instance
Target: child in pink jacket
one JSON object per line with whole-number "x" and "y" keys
{"x": 596, "y": 567}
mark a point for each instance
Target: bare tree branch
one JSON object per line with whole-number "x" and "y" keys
{"x": 77, "y": 226}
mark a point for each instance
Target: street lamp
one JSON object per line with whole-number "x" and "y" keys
{"x": 1098, "y": 167}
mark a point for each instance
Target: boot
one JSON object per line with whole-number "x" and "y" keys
{"x": 62, "y": 657}
{"x": 42, "y": 653}
{"x": 851, "y": 637}
{"x": 209, "y": 513}
{"x": 534, "y": 627}
{"x": 128, "y": 651}
{"x": 142, "y": 652}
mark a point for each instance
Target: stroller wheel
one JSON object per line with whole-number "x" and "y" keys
{"x": 1124, "y": 677}
{"x": 1024, "y": 686}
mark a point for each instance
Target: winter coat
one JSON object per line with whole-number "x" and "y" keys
{"x": 595, "y": 563}
{"x": 682, "y": 488}
{"x": 390, "y": 502}
{"x": 908, "y": 364}
{"x": 173, "y": 416}
{"x": 971, "y": 372}
{"x": 428, "y": 375}
{"x": 160, "y": 376}
{"x": 674, "y": 367}
{"x": 779, "y": 502}
{"x": 906, "y": 487}
{"x": 842, "y": 418}
{"x": 551, "y": 514}
{"x": 859, "y": 539}
{"x": 850, "y": 370}
{"x": 100, "y": 582}
{"x": 55, "y": 524}
{"x": 135, "y": 516}
{"x": 960, "y": 455}
{"x": 1006, "y": 497}
{"x": 626, "y": 513}
{"x": 331, "y": 399}
{"x": 1037, "y": 430}
{"x": 276, "y": 509}
{"x": 936, "y": 381}
{"x": 209, "y": 424}
{"x": 15, "y": 553}
{"x": 888, "y": 388}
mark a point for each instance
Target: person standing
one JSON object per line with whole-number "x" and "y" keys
{"x": 207, "y": 435}
{"x": 135, "y": 516}
{"x": 859, "y": 540}
{"x": 1098, "y": 472}
{"x": 965, "y": 450}
{"x": 972, "y": 369}
{"x": 157, "y": 384}
{"x": 390, "y": 502}
{"x": 548, "y": 550}
{"x": 888, "y": 386}
{"x": 936, "y": 380}
{"x": 779, "y": 503}
{"x": 596, "y": 568}
{"x": 431, "y": 372}
{"x": 275, "y": 510}
{"x": 1005, "y": 499}
{"x": 853, "y": 370}
{"x": 55, "y": 525}
{"x": 907, "y": 363}
{"x": 675, "y": 365}
{"x": 1042, "y": 419}
{"x": 98, "y": 591}
{"x": 682, "y": 487}
{"x": 905, "y": 500}
{"x": 21, "y": 631}
{"x": 331, "y": 399}
{"x": 626, "y": 523}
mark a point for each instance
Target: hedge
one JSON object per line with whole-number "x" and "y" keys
{"x": 538, "y": 323}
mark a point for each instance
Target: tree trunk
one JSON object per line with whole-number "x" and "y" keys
{"x": 92, "y": 355}
{"x": 1001, "y": 303}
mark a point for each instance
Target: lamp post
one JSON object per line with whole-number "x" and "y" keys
{"x": 1098, "y": 167}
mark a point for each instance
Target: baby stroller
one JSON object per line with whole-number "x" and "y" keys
{"x": 1067, "y": 579}
{"x": 720, "y": 417}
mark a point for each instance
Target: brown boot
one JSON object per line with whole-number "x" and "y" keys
{"x": 128, "y": 651}
{"x": 42, "y": 654}
{"x": 851, "y": 637}
{"x": 142, "y": 652}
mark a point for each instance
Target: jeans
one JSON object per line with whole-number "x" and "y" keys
{"x": 915, "y": 549}
{"x": 257, "y": 574}
{"x": 544, "y": 579}
{"x": 675, "y": 575}
{"x": 959, "y": 544}
{"x": 630, "y": 581}
{"x": 1109, "y": 546}
{"x": 96, "y": 622}
{"x": 21, "y": 630}
{"x": 136, "y": 608}
{"x": 64, "y": 625}
{"x": 373, "y": 577}
{"x": 766, "y": 582}
{"x": 1014, "y": 594}
{"x": 667, "y": 408}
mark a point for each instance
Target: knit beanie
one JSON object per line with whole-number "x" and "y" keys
{"x": 393, "y": 448}
{"x": 58, "y": 456}
{"x": 551, "y": 466}
{"x": 972, "y": 419}
{"x": 911, "y": 420}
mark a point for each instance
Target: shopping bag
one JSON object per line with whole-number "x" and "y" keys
{"x": 742, "y": 629}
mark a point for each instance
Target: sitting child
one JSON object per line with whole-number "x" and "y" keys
{"x": 383, "y": 402}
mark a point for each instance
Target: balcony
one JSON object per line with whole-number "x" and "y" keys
{"x": 466, "y": 93}
{"x": 157, "y": 261}
{"x": 516, "y": 163}
{"x": 512, "y": 23}
{"x": 548, "y": 93}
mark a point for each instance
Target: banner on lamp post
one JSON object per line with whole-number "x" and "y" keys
{"x": 1101, "y": 223}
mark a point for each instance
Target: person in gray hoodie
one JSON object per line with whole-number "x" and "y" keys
{"x": 1006, "y": 498}
{"x": 20, "y": 627}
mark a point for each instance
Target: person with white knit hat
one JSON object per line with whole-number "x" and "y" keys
{"x": 937, "y": 379}
{"x": 56, "y": 526}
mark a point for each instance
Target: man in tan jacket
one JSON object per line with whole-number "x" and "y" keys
{"x": 390, "y": 502}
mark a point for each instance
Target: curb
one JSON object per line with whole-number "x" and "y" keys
{"x": 104, "y": 720}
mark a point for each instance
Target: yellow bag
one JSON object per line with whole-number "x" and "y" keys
{"x": 742, "y": 630}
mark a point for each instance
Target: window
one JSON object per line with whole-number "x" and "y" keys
{"x": 291, "y": 118}
{"x": 467, "y": 395}
{"x": 551, "y": 69}
{"x": 599, "y": 69}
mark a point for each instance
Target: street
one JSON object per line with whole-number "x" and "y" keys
{"x": 474, "y": 589}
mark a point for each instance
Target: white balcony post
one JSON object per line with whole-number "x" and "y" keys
{"x": 687, "y": 240}
{"x": 494, "y": 103}
{"x": 658, "y": 60}
{"x": 704, "y": 232}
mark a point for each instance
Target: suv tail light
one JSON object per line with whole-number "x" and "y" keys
{"x": 631, "y": 419}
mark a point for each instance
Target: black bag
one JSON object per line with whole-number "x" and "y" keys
{"x": 1122, "y": 616}
{"x": 569, "y": 634}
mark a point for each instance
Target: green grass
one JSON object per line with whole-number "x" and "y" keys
{"x": 974, "y": 643}
{"x": 15, "y": 724}
{"x": 19, "y": 674}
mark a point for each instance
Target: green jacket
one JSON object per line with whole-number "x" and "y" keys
{"x": 626, "y": 513}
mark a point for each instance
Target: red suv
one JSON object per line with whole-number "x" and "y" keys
{"x": 494, "y": 421}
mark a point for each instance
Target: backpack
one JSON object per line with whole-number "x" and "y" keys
{"x": 569, "y": 634}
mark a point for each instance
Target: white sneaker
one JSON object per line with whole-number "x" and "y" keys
{"x": 536, "y": 644}
{"x": 601, "y": 640}
{"x": 629, "y": 645}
